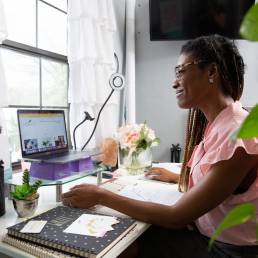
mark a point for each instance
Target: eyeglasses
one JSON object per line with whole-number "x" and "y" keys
{"x": 180, "y": 69}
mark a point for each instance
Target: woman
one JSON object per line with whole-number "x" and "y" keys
{"x": 222, "y": 173}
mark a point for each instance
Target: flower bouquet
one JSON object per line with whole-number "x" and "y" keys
{"x": 135, "y": 142}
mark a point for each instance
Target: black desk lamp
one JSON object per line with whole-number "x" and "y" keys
{"x": 87, "y": 117}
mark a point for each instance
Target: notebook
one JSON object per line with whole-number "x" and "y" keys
{"x": 43, "y": 137}
{"x": 52, "y": 239}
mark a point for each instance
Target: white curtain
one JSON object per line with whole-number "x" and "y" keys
{"x": 3, "y": 30}
{"x": 3, "y": 90}
{"x": 125, "y": 47}
{"x": 91, "y": 29}
{"x": 129, "y": 100}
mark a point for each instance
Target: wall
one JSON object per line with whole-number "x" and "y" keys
{"x": 119, "y": 9}
{"x": 155, "y": 98}
{"x": 249, "y": 51}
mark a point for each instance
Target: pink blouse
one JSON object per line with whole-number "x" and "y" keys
{"x": 217, "y": 146}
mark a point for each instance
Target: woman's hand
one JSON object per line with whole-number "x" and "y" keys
{"x": 82, "y": 196}
{"x": 162, "y": 174}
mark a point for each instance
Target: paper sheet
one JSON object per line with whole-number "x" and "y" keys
{"x": 152, "y": 192}
{"x": 140, "y": 188}
{"x": 34, "y": 226}
{"x": 91, "y": 225}
{"x": 144, "y": 190}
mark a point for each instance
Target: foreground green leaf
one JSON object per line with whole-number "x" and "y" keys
{"x": 239, "y": 215}
{"x": 249, "y": 128}
{"x": 249, "y": 28}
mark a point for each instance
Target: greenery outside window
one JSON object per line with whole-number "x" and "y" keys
{"x": 34, "y": 58}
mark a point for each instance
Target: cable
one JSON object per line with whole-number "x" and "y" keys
{"x": 117, "y": 63}
{"x": 98, "y": 119}
{"x": 114, "y": 86}
{"x": 87, "y": 117}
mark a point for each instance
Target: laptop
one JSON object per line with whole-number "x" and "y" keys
{"x": 43, "y": 137}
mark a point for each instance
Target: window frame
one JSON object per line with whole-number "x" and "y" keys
{"x": 39, "y": 53}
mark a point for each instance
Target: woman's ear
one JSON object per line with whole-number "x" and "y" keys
{"x": 213, "y": 73}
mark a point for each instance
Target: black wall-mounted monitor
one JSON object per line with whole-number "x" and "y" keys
{"x": 186, "y": 19}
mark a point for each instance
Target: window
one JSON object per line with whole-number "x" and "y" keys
{"x": 34, "y": 57}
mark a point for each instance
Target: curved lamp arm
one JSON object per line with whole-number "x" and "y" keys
{"x": 87, "y": 117}
{"x": 116, "y": 82}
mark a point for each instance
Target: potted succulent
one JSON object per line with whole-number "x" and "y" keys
{"x": 25, "y": 196}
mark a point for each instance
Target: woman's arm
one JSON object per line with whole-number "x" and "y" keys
{"x": 216, "y": 186}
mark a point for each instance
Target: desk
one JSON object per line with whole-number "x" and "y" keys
{"x": 46, "y": 202}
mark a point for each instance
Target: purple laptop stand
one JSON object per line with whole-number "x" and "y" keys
{"x": 55, "y": 171}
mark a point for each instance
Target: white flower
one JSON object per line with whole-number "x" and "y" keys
{"x": 151, "y": 134}
{"x": 136, "y": 137}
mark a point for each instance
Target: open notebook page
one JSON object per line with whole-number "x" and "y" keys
{"x": 150, "y": 190}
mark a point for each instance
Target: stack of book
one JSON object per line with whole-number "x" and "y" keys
{"x": 53, "y": 242}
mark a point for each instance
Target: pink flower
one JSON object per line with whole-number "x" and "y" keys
{"x": 131, "y": 137}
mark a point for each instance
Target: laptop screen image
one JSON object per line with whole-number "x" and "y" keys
{"x": 42, "y": 132}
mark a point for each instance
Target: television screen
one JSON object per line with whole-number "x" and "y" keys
{"x": 186, "y": 19}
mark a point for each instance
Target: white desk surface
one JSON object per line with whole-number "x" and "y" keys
{"x": 47, "y": 201}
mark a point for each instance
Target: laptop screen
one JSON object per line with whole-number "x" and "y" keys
{"x": 42, "y": 132}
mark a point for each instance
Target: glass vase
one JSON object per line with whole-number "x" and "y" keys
{"x": 135, "y": 162}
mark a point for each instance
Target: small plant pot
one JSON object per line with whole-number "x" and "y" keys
{"x": 25, "y": 208}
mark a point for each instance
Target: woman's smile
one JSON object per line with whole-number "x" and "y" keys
{"x": 179, "y": 92}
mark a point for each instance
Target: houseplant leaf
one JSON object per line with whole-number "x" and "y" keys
{"x": 249, "y": 28}
{"x": 21, "y": 191}
{"x": 249, "y": 128}
{"x": 239, "y": 215}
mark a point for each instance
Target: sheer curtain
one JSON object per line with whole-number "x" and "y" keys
{"x": 129, "y": 100}
{"x": 3, "y": 90}
{"x": 91, "y": 29}
{"x": 125, "y": 47}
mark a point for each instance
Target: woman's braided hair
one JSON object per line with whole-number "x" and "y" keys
{"x": 224, "y": 53}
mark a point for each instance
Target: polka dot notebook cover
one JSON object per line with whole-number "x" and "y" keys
{"x": 53, "y": 236}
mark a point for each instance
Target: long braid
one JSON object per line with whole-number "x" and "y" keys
{"x": 196, "y": 124}
{"x": 183, "y": 179}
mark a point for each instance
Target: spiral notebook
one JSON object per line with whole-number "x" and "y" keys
{"x": 53, "y": 238}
